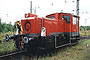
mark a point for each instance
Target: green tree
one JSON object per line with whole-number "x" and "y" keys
{"x": 6, "y": 27}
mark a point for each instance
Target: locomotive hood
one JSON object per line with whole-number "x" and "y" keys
{"x": 31, "y": 24}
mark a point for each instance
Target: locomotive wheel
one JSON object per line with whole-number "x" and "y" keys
{"x": 19, "y": 43}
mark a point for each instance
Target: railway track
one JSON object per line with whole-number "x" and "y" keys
{"x": 85, "y": 37}
{"x": 11, "y": 53}
{"x": 82, "y": 38}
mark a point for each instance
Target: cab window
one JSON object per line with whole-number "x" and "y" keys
{"x": 66, "y": 18}
{"x": 51, "y": 17}
{"x": 75, "y": 20}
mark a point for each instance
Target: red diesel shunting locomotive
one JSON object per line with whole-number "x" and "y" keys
{"x": 54, "y": 31}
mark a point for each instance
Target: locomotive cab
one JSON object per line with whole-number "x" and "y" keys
{"x": 66, "y": 28}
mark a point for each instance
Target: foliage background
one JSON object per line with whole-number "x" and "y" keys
{"x": 82, "y": 28}
{"x": 6, "y": 27}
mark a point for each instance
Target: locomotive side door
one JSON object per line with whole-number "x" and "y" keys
{"x": 66, "y": 28}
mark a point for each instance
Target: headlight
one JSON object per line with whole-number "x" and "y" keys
{"x": 27, "y": 15}
{"x": 25, "y": 40}
{"x": 30, "y": 39}
{"x": 43, "y": 31}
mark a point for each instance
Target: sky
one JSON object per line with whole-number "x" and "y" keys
{"x": 13, "y": 10}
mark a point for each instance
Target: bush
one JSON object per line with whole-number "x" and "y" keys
{"x": 6, "y": 27}
{"x": 84, "y": 28}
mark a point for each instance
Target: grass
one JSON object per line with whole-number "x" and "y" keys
{"x": 2, "y": 35}
{"x": 85, "y": 33}
{"x": 6, "y": 47}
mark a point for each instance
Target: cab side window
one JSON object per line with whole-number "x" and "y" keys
{"x": 66, "y": 18}
{"x": 75, "y": 20}
{"x": 51, "y": 17}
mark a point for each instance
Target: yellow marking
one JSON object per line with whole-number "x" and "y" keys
{"x": 21, "y": 43}
{"x": 19, "y": 24}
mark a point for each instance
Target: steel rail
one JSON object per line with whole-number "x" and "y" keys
{"x": 12, "y": 53}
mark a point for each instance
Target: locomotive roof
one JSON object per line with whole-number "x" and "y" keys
{"x": 63, "y": 13}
